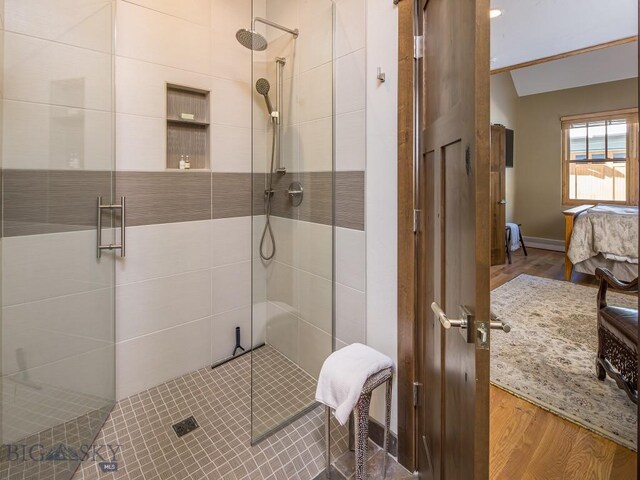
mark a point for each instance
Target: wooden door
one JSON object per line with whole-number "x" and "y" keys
{"x": 498, "y": 193}
{"x": 454, "y": 242}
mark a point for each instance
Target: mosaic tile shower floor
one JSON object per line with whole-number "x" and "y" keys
{"x": 219, "y": 399}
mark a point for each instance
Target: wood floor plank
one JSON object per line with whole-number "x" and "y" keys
{"x": 590, "y": 457}
{"x": 528, "y": 442}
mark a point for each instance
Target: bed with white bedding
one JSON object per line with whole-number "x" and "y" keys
{"x": 603, "y": 236}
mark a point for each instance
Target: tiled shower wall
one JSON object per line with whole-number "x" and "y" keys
{"x": 186, "y": 281}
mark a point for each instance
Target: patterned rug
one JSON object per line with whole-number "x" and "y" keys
{"x": 549, "y": 356}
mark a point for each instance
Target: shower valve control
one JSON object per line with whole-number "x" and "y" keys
{"x": 295, "y": 193}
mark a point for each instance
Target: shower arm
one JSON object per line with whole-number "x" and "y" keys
{"x": 294, "y": 32}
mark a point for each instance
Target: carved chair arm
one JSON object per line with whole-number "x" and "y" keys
{"x": 608, "y": 279}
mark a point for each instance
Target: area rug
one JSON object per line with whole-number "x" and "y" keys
{"x": 549, "y": 356}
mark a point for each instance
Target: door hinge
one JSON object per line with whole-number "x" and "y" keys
{"x": 416, "y": 394}
{"x": 418, "y": 45}
{"x": 417, "y": 215}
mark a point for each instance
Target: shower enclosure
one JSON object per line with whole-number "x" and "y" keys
{"x": 57, "y": 345}
{"x": 293, "y": 205}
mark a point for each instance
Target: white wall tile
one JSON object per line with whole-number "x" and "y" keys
{"x": 231, "y": 103}
{"x": 196, "y": 11}
{"x": 42, "y": 71}
{"x": 38, "y": 267}
{"x": 160, "y": 303}
{"x": 230, "y": 59}
{"x": 231, "y": 287}
{"x": 141, "y": 86}
{"x": 350, "y": 26}
{"x": 350, "y": 78}
{"x": 284, "y": 12}
{"x": 281, "y": 286}
{"x": 67, "y": 315}
{"x": 314, "y": 346}
{"x": 158, "y": 38}
{"x": 223, "y": 332}
{"x": 231, "y": 240}
{"x": 141, "y": 143}
{"x": 316, "y": 146}
{"x": 315, "y": 93}
{"x": 39, "y": 136}
{"x": 84, "y": 23}
{"x": 31, "y": 339}
{"x": 259, "y": 323}
{"x": 161, "y": 250}
{"x": 315, "y": 295}
{"x": 282, "y": 331}
{"x": 315, "y": 43}
{"x": 230, "y": 149}
{"x": 153, "y": 359}
{"x": 313, "y": 247}
{"x": 350, "y": 315}
{"x": 351, "y": 258}
{"x": 351, "y": 142}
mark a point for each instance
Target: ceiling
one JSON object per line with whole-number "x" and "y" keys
{"x": 606, "y": 65}
{"x": 533, "y": 29}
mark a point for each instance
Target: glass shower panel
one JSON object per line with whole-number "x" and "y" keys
{"x": 57, "y": 345}
{"x": 293, "y": 189}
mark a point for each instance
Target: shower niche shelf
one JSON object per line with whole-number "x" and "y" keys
{"x": 187, "y": 127}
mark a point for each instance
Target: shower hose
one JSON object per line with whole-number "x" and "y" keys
{"x": 268, "y": 194}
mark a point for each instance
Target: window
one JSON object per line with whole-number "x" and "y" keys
{"x": 600, "y": 160}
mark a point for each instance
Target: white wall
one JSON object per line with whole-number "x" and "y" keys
{"x": 381, "y": 188}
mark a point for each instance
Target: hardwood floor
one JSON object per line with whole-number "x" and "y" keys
{"x": 528, "y": 442}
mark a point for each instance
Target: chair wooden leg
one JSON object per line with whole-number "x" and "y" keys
{"x": 387, "y": 425}
{"x": 327, "y": 437}
{"x": 524, "y": 248}
{"x": 362, "y": 435}
{"x": 507, "y": 244}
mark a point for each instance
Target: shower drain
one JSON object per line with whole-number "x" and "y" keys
{"x": 185, "y": 426}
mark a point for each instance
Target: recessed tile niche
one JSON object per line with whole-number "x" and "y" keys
{"x": 187, "y": 127}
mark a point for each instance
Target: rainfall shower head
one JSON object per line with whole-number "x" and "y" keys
{"x": 263, "y": 87}
{"x": 251, "y": 39}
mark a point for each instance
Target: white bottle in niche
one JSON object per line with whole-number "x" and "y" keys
{"x": 182, "y": 163}
{"x": 187, "y": 163}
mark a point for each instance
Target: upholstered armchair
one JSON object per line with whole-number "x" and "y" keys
{"x": 617, "y": 336}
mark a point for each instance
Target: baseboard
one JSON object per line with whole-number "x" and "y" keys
{"x": 544, "y": 243}
{"x": 376, "y": 434}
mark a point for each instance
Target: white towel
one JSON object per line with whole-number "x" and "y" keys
{"x": 515, "y": 236}
{"x": 343, "y": 375}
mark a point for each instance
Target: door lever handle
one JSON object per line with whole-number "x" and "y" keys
{"x": 502, "y": 202}
{"x": 498, "y": 325}
{"x": 447, "y": 322}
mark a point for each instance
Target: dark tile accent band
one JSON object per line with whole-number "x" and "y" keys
{"x": 231, "y": 194}
{"x": 350, "y": 199}
{"x": 318, "y": 198}
{"x": 49, "y": 201}
{"x": 165, "y": 197}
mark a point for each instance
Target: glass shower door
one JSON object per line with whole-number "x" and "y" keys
{"x": 57, "y": 343}
{"x": 293, "y": 188}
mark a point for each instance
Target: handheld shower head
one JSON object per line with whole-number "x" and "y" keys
{"x": 263, "y": 87}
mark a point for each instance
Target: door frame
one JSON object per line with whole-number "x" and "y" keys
{"x": 407, "y": 271}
